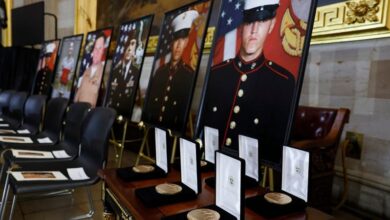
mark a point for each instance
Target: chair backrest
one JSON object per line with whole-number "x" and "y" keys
{"x": 73, "y": 122}
{"x": 94, "y": 139}
{"x": 54, "y": 116}
{"x": 5, "y": 97}
{"x": 16, "y": 106}
{"x": 33, "y": 113}
{"x": 312, "y": 122}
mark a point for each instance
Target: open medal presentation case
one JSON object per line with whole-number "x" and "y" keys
{"x": 190, "y": 183}
{"x": 157, "y": 170}
{"x": 229, "y": 193}
{"x": 248, "y": 151}
{"x": 295, "y": 181}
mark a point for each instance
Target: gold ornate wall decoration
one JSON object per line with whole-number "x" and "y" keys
{"x": 6, "y": 39}
{"x": 362, "y": 11}
{"x": 85, "y": 16}
{"x": 351, "y": 21}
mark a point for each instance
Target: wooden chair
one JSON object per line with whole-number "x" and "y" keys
{"x": 318, "y": 130}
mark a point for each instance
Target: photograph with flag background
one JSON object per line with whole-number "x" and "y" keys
{"x": 176, "y": 65}
{"x": 67, "y": 64}
{"x": 127, "y": 64}
{"x": 92, "y": 93}
{"x": 257, "y": 66}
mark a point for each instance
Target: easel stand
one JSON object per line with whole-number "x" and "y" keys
{"x": 268, "y": 178}
{"x": 120, "y": 143}
{"x": 145, "y": 144}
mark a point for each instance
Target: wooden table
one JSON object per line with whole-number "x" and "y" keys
{"x": 121, "y": 197}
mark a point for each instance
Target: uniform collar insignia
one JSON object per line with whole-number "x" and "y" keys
{"x": 251, "y": 65}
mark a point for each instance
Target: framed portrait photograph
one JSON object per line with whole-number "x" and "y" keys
{"x": 65, "y": 70}
{"x": 88, "y": 82}
{"x": 127, "y": 65}
{"x": 45, "y": 70}
{"x": 176, "y": 65}
{"x": 255, "y": 73}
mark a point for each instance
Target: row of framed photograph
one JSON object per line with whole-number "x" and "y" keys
{"x": 252, "y": 85}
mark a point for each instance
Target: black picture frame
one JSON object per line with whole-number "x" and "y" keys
{"x": 148, "y": 114}
{"x": 223, "y": 113}
{"x": 42, "y": 85}
{"x": 78, "y": 37}
{"x": 125, "y": 107}
{"x": 85, "y": 62}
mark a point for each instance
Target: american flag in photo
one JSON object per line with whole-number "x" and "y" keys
{"x": 164, "y": 51}
{"x": 228, "y": 35}
{"x": 122, "y": 40}
{"x": 87, "y": 58}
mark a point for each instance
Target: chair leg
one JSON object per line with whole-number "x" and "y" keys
{"x": 4, "y": 197}
{"x": 11, "y": 214}
{"x": 91, "y": 207}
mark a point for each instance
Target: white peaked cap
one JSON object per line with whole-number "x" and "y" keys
{"x": 50, "y": 48}
{"x": 184, "y": 20}
{"x": 249, "y": 4}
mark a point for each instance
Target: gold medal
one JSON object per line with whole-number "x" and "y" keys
{"x": 203, "y": 163}
{"x": 143, "y": 169}
{"x": 168, "y": 189}
{"x": 203, "y": 214}
{"x": 278, "y": 198}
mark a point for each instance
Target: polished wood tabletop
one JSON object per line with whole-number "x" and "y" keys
{"x": 125, "y": 193}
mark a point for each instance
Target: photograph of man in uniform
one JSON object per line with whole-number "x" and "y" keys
{"x": 249, "y": 94}
{"x": 65, "y": 70}
{"x": 43, "y": 77}
{"x": 171, "y": 87}
{"x": 127, "y": 62}
{"x": 90, "y": 82}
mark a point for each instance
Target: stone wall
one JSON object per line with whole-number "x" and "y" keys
{"x": 356, "y": 75}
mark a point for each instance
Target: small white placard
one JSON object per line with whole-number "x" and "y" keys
{"x": 249, "y": 151}
{"x": 228, "y": 184}
{"x": 161, "y": 149}
{"x": 60, "y": 154}
{"x": 77, "y": 173}
{"x": 38, "y": 175}
{"x": 188, "y": 164}
{"x": 45, "y": 140}
{"x": 295, "y": 172}
{"x": 24, "y": 131}
{"x": 7, "y": 131}
{"x": 211, "y": 143}
{"x": 16, "y": 139}
{"x": 34, "y": 154}
{"x": 4, "y": 125}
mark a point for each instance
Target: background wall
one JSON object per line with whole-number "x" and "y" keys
{"x": 356, "y": 75}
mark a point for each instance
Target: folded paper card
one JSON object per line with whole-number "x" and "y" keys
{"x": 31, "y": 154}
{"x": 60, "y": 154}
{"x": 295, "y": 172}
{"x": 211, "y": 143}
{"x": 4, "y": 125}
{"x": 45, "y": 140}
{"x": 77, "y": 173}
{"x": 249, "y": 151}
{"x": 24, "y": 131}
{"x": 161, "y": 149}
{"x": 38, "y": 175}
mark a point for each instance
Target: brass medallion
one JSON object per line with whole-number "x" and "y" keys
{"x": 168, "y": 189}
{"x": 203, "y": 214}
{"x": 143, "y": 168}
{"x": 278, "y": 198}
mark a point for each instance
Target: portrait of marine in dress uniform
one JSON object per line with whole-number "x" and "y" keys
{"x": 92, "y": 67}
{"x": 127, "y": 64}
{"x": 247, "y": 92}
{"x": 46, "y": 63}
{"x": 176, "y": 64}
{"x": 66, "y": 68}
